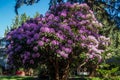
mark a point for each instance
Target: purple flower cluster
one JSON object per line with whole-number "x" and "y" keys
{"x": 63, "y": 28}
{"x": 22, "y": 42}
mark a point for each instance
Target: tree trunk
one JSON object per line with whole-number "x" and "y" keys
{"x": 53, "y": 68}
{"x": 65, "y": 72}
{"x": 57, "y": 70}
{"x": 93, "y": 70}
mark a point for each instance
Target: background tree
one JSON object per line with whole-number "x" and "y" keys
{"x": 19, "y": 3}
{"x": 19, "y": 20}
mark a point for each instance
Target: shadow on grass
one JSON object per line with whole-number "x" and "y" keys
{"x": 16, "y": 78}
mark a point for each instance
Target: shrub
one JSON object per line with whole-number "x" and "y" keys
{"x": 65, "y": 31}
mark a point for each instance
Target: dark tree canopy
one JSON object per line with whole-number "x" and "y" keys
{"x": 19, "y": 3}
{"x": 111, "y": 7}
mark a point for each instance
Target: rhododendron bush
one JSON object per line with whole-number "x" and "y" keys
{"x": 65, "y": 30}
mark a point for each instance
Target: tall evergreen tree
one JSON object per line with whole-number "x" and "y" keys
{"x": 17, "y": 22}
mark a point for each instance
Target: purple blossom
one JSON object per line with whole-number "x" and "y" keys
{"x": 37, "y": 55}
{"x": 60, "y": 36}
{"x": 9, "y": 37}
{"x": 47, "y": 14}
{"x": 26, "y": 56}
{"x": 52, "y": 7}
{"x": 32, "y": 25}
{"x": 18, "y": 48}
{"x": 65, "y": 26}
{"x": 29, "y": 41}
{"x": 35, "y": 48}
{"x": 51, "y": 16}
{"x": 27, "y": 53}
{"x": 83, "y": 45}
{"x": 67, "y": 50}
{"x": 43, "y": 38}
{"x": 63, "y": 13}
{"x": 81, "y": 31}
{"x": 11, "y": 52}
{"x": 91, "y": 56}
{"x": 54, "y": 42}
{"x": 10, "y": 46}
{"x": 25, "y": 26}
{"x": 43, "y": 19}
{"x": 47, "y": 40}
{"x": 19, "y": 37}
{"x": 28, "y": 32}
{"x": 20, "y": 30}
{"x": 36, "y": 36}
{"x": 56, "y": 18}
{"x": 40, "y": 43}
{"x": 95, "y": 49}
{"x": 83, "y": 37}
{"x": 52, "y": 30}
{"x": 70, "y": 41}
{"x": 68, "y": 4}
{"x": 82, "y": 22}
{"x": 45, "y": 29}
{"x": 31, "y": 62}
{"x": 62, "y": 53}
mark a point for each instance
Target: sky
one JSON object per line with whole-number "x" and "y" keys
{"x": 7, "y": 13}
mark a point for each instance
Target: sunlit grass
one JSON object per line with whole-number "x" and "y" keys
{"x": 16, "y": 78}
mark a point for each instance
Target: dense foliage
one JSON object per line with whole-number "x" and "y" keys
{"x": 65, "y": 31}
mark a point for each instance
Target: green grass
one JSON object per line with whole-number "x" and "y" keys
{"x": 32, "y": 78}
{"x": 95, "y": 78}
{"x": 111, "y": 78}
{"x": 16, "y": 78}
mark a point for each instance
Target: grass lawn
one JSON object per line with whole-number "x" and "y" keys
{"x": 111, "y": 78}
{"x": 16, "y": 78}
{"x": 75, "y": 78}
{"x": 95, "y": 78}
